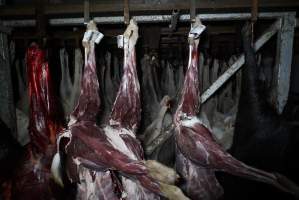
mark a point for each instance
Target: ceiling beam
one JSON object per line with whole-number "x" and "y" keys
{"x": 117, "y": 7}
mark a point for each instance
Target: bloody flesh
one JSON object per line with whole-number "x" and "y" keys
{"x": 198, "y": 153}
{"x": 32, "y": 180}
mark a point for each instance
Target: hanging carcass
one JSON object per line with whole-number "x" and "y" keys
{"x": 32, "y": 179}
{"x": 22, "y": 105}
{"x": 82, "y": 126}
{"x": 150, "y": 99}
{"x": 70, "y": 90}
{"x": 198, "y": 155}
{"x": 124, "y": 122}
{"x": 96, "y": 156}
{"x": 158, "y": 137}
{"x": 157, "y": 118}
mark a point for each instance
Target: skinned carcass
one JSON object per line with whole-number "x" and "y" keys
{"x": 66, "y": 82}
{"x": 167, "y": 81}
{"x": 32, "y": 180}
{"x": 198, "y": 155}
{"x": 179, "y": 80}
{"x": 82, "y": 125}
{"x": 150, "y": 98}
{"x": 97, "y": 156}
{"x": 69, "y": 91}
{"x": 22, "y": 105}
{"x": 155, "y": 67}
{"x": 157, "y": 127}
{"x": 124, "y": 122}
{"x": 158, "y": 137}
{"x": 222, "y": 119}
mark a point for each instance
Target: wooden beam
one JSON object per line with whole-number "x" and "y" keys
{"x": 117, "y": 7}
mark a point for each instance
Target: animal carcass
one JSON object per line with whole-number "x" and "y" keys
{"x": 32, "y": 180}
{"x": 198, "y": 154}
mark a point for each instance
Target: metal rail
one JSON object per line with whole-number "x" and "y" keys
{"x": 146, "y": 19}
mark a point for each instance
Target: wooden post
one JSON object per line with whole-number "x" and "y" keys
{"x": 86, "y": 12}
{"x": 41, "y": 21}
{"x": 126, "y": 12}
{"x": 254, "y": 10}
{"x": 282, "y": 69}
{"x": 192, "y": 11}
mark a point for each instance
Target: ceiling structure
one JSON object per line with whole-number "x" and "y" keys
{"x": 27, "y": 8}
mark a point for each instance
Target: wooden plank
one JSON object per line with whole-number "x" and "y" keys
{"x": 12, "y": 11}
{"x": 282, "y": 69}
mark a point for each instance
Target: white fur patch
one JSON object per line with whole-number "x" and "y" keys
{"x": 190, "y": 121}
{"x": 56, "y": 169}
{"x": 65, "y": 134}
